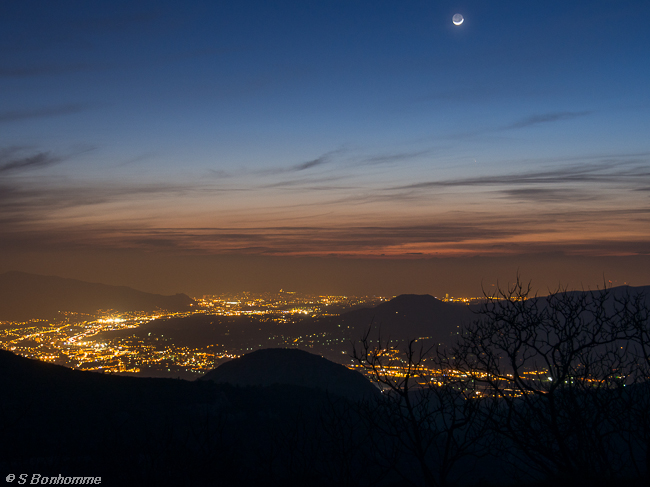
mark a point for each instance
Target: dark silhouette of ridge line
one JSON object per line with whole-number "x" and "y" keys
{"x": 25, "y": 296}
{"x": 409, "y": 316}
{"x": 288, "y": 366}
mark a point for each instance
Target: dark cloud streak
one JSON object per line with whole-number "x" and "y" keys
{"x": 394, "y": 157}
{"x": 267, "y": 240}
{"x": 545, "y": 118}
{"x": 43, "y": 70}
{"x": 530, "y": 121}
{"x": 583, "y": 173}
{"x": 37, "y": 161}
{"x": 326, "y": 158}
{"x": 28, "y": 114}
{"x": 309, "y": 164}
{"x": 472, "y": 236}
{"x": 309, "y": 183}
{"x": 25, "y": 201}
{"x": 543, "y": 195}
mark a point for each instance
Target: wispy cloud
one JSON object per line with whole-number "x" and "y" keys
{"x": 344, "y": 170}
{"x": 613, "y": 172}
{"x": 219, "y": 174}
{"x": 546, "y": 195}
{"x": 545, "y": 118}
{"x": 530, "y": 121}
{"x": 321, "y": 160}
{"x": 17, "y": 159}
{"x": 394, "y": 157}
{"x": 472, "y": 236}
{"x": 317, "y": 183}
{"x": 278, "y": 240}
{"x": 139, "y": 158}
{"x": 27, "y": 114}
{"x": 43, "y": 70}
{"x": 410, "y": 225}
{"x": 40, "y": 160}
{"x": 309, "y": 164}
{"x": 23, "y": 200}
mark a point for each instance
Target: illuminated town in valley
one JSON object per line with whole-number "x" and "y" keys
{"x": 109, "y": 342}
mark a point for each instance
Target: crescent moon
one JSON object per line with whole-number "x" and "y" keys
{"x": 457, "y": 19}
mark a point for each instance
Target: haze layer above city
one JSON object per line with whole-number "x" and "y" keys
{"x": 367, "y": 147}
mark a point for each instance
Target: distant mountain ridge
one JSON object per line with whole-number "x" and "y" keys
{"x": 418, "y": 314}
{"x": 403, "y": 318}
{"x": 24, "y": 296}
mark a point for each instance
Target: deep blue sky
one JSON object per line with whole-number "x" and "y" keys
{"x": 318, "y": 128}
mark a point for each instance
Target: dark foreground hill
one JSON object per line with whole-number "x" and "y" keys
{"x": 164, "y": 432}
{"x": 293, "y": 367}
{"x": 167, "y": 432}
{"x": 25, "y": 296}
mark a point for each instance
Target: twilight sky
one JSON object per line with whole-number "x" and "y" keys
{"x": 233, "y": 143}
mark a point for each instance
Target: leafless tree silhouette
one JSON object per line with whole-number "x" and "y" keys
{"x": 556, "y": 368}
{"x": 635, "y": 422}
{"x": 432, "y": 417}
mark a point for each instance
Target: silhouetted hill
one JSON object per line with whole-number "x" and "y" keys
{"x": 294, "y": 367}
{"x": 613, "y": 297}
{"x": 200, "y": 330}
{"x": 24, "y": 296}
{"x": 619, "y": 293}
{"x": 410, "y": 316}
{"x": 156, "y": 432}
